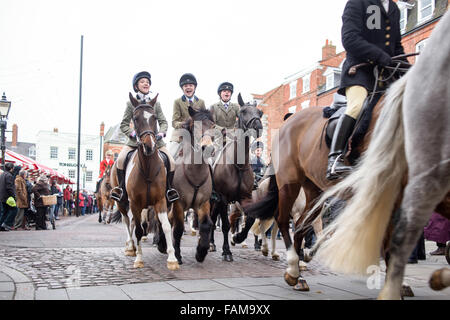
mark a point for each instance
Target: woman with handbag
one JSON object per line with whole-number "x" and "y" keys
{"x": 41, "y": 188}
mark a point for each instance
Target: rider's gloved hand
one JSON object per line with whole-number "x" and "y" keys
{"x": 385, "y": 60}
{"x": 133, "y": 134}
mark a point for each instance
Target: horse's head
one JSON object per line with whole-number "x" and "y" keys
{"x": 144, "y": 121}
{"x": 107, "y": 172}
{"x": 249, "y": 116}
{"x": 201, "y": 124}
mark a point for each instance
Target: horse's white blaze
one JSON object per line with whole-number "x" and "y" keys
{"x": 167, "y": 229}
{"x": 292, "y": 260}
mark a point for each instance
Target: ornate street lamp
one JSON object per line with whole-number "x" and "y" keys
{"x": 5, "y": 105}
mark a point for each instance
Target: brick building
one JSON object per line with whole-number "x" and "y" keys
{"x": 315, "y": 85}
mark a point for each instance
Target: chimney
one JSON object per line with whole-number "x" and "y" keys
{"x": 102, "y": 129}
{"x": 328, "y": 50}
{"x": 55, "y": 130}
{"x": 14, "y": 135}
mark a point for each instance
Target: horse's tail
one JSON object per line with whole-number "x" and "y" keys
{"x": 353, "y": 241}
{"x": 116, "y": 217}
{"x": 265, "y": 208}
{"x": 152, "y": 220}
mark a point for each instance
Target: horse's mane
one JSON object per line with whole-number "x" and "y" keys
{"x": 200, "y": 115}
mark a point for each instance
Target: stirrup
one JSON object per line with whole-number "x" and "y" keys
{"x": 117, "y": 193}
{"x": 342, "y": 169}
{"x": 172, "y": 195}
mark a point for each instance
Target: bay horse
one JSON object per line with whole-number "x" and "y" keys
{"x": 406, "y": 170}
{"x": 192, "y": 178}
{"x": 145, "y": 181}
{"x": 232, "y": 174}
{"x": 104, "y": 200}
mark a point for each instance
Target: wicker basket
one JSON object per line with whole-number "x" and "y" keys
{"x": 49, "y": 200}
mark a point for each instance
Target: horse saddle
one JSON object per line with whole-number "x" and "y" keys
{"x": 165, "y": 160}
{"x": 333, "y": 113}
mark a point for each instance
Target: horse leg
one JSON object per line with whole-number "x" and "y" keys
{"x": 416, "y": 209}
{"x": 234, "y": 222}
{"x": 287, "y": 196}
{"x": 191, "y": 222}
{"x": 214, "y": 213}
{"x": 161, "y": 209}
{"x": 275, "y": 255}
{"x": 249, "y": 221}
{"x": 226, "y": 253}
{"x": 138, "y": 262}
{"x": 178, "y": 229}
{"x": 262, "y": 230}
{"x": 130, "y": 249}
{"x": 205, "y": 227}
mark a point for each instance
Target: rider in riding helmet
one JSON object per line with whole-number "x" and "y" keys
{"x": 370, "y": 33}
{"x": 103, "y": 165}
{"x": 188, "y": 83}
{"x": 257, "y": 162}
{"x": 141, "y": 85}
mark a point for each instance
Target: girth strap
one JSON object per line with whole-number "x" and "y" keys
{"x": 196, "y": 187}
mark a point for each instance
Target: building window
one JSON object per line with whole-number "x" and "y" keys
{"x": 88, "y": 176}
{"x": 32, "y": 152}
{"x": 292, "y": 109}
{"x": 426, "y": 9}
{"x": 72, "y": 153}
{"x": 53, "y": 152}
{"x": 72, "y": 174}
{"x": 419, "y": 48}
{"x": 306, "y": 83}
{"x": 305, "y": 104}
{"x": 89, "y": 154}
{"x": 292, "y": 89}
{"x": 403, "y": 19}
{"x": 330, "y": 81}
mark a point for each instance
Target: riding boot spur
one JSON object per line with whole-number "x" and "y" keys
{"x": 336, "y": 166}
{"x": 171, "y": 194}
{"x": 119, "y": 192}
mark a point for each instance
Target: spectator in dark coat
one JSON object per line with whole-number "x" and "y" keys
{"x": 41, "y": 188}
{"x": 438, "y": 229}
{"x": 7, "y": 189}
{"x": 22, "y": 200}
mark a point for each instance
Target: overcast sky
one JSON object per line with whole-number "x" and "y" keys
{"x": 254, "y": 44}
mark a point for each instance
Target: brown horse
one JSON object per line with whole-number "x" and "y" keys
{"x": 104, "y": 200}
{"x": 232, "y": 174}
{"x": 193, "y": 180}
{"x": 145, "y": 181}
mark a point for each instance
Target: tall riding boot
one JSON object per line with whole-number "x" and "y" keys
{"x": 119, "y": 193}
{"x": 343, "y": 130}
{"x": 171, "y": 194}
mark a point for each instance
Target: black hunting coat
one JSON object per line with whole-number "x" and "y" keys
{"x": 366, "y": 43}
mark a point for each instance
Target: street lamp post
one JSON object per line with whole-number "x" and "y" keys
{"x": 4, "y": 111}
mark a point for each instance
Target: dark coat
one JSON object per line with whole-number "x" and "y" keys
{"x": 7, "y": 186}
{"x": 40, "y": 189}
{"x": 438, "y": 229}
{"x": 368, "y": 45}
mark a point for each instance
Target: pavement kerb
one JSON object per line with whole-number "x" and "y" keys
{"x": 24, "y": 288}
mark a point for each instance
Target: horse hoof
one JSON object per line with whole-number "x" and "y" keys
{"x": 307, "y": 257}
{"x": 139, "y": 264}
{"x": 173, "y": 265}
{"x": 144, "y": 238}
{"x": 275, "y": 257}
{"x": 436, "y": 280}
{"x": 407, "y": 291}
{"x": 232, "y": 242}
{"x": 130, "y": 253}
{"x": 227, "y": 257}
{"x": 301, "y": 285}
{"x": 244, "y": 246}
{"x": 265, "y": 253}
{"x": 180, "y": 262}
{"x": 212, "y": 247}
{"x": 292, "y": 281}
{"x": 193, "y": 233}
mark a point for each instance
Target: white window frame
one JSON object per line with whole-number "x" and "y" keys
{"x": 292, "y": 89}
{"x": 419, "y": 47}
{"x": 89, "y": 154}
{"x": 69, "y": 153}
{"x": 32, "y": 152}
{"x": 421, "y": 8}
{"x": 71, "y": 174}
{"x": 305, "y": 104}
{"x": 292, "y": 109}
{"x": 330, "y": 81}
{"x": 403, "y": 11}
{"x": 89, "y": 176}
{"x": 306, "y": 83}
{"x": 53, "y": 152}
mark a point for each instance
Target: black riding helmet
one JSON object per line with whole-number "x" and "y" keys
{"x": 225, "y": 86}
{"x": 188, "y": 78}
{"x": 139, "y": 76}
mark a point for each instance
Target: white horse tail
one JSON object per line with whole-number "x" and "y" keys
{"x": 354, "y": 240}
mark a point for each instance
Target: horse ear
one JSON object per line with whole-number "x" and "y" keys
{"x": 134, "y": 102}
{"x": 153, "y": 101}
{"x": 260, "y": 113}
{"x": 240, "y": 101}
{"x": 192, "y": 111}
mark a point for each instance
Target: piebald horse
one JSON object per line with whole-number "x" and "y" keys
{"x": 406, "y": 170}
{"x": 145, "y": 180}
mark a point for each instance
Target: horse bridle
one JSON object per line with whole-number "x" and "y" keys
{"x": 145, "y": 132}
